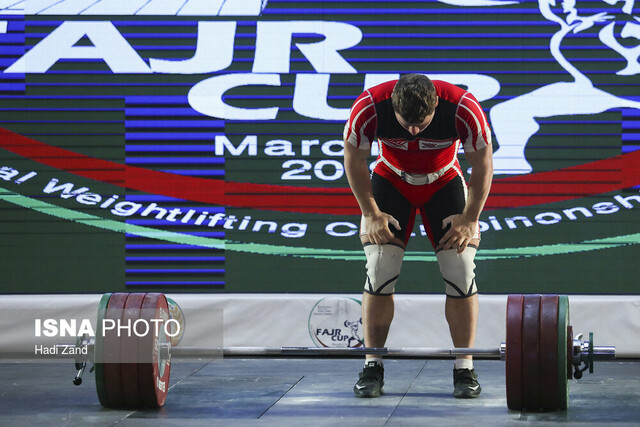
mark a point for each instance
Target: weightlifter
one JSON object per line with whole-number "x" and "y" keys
{"x": 419, "y": 125}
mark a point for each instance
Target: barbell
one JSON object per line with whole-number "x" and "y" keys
{"x": 133, "y": 371}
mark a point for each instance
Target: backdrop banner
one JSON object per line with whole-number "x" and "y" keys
{"x": 197, "y": 146}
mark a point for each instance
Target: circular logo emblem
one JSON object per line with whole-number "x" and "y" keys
{"x": 336, "y": 322}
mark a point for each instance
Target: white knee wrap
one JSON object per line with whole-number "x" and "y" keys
{"x": 457, "y": 272}
{"x": 383, "y": 268}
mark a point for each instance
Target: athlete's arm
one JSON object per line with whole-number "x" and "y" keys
{"x": 480, "y": 182}
{"x": 376, "y": 222}
{"x": 464, "y": 226}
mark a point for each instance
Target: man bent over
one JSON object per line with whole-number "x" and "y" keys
{"x": 419, "y": 125}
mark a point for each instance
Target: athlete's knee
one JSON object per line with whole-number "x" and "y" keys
{"x": 458, "y": 272}
{"x": 384, "y": 263}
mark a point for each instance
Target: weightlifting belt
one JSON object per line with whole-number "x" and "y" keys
{"x": 417, "y": 178}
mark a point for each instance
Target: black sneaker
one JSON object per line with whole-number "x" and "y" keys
{"x": 371, "y": 381}
{"x": 465, "y": 384}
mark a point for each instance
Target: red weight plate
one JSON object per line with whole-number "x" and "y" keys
{"x": 565, "y": 356}
{"x": 111, "y": 351}
{"x": 549, "y": 352}
{"x": 98, "y": 349}
{"x": 530, "y": 352}
{"x": 129, "y": 351}
{"x": 513, "y": 357}
{"x": 154, "y": 370}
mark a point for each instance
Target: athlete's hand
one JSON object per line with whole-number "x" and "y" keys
{"x": 377, "y": 227}
{"x": 460, "y": 234}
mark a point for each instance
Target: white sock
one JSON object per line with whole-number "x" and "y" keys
{"x": 377, "y": 360}
{"x": 463, "y": 364}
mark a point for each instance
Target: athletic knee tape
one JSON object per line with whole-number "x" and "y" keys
{"x": 383, "y": 268}
{"x": 458, "y": 272}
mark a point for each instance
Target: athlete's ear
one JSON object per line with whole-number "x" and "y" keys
{"x": 437, "y": 98}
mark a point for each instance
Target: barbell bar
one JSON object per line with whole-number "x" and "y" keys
{"x": 540, "y": 351}
{"x": 599, "y": 353}
{"x": 338, "y": 352}
{"x": 63, "y": 351}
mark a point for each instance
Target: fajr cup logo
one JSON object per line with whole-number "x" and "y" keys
{"x": 336, "y": 322}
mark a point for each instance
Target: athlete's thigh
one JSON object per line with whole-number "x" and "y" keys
{"x": 447, "y": 201}
{"x": 391, "y": 201}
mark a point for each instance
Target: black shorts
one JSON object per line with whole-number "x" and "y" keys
{"x": 448, "y": 200}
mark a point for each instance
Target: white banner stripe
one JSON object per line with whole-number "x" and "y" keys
{"x": 11, "y": 4}
{"x": 34, "y": 7}
{"x": 162, "y": 7}
{"x": 134, "y": 7}
{"x": 116, "y": 7}
{"x": 70, "y": 7}
{"x": 201, "y": 8}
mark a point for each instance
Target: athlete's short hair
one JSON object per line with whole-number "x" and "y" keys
{"x": 414, "y": 97}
